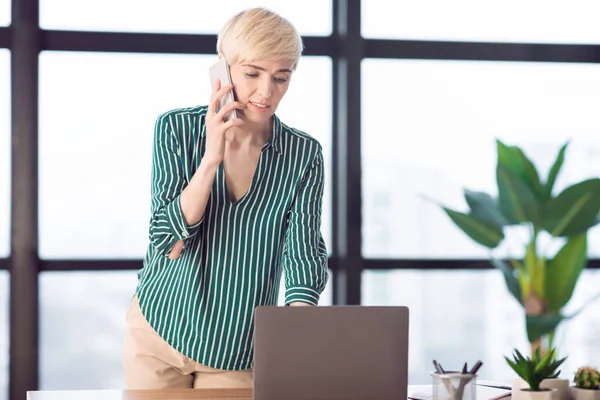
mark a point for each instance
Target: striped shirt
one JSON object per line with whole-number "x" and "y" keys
{"x": 203, "y": 303}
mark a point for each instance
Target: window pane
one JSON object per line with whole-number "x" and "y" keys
{"x": 5, "y": 152}
{"x": 82, "y": 323}
{"x": 534, "y": 21}
{"x": 5, "y": 15}
{"x": 446, "y": 117}
{"x": 485, "y": 329}
{"x": 311, "y": 17}
{"x": 4, "y": 324}
{"x": 112, "y": 101}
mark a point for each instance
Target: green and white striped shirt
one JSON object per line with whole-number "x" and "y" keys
{"x": 203, "y": 303}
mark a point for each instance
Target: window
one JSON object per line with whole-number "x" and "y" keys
{"x": 312, "y": 17}
{"x": 534, "y": 21}
{"x": 82, "y": 323}
{"x": 5, "y": 12}
{"x": 4, "y": 331}
{"x": 429, "y": 131}
{"x": 447, "y": 325}
{"x": 97, "y": 112}
{"x": 5, "y": 153}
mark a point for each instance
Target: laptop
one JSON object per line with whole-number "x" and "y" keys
{"x": 331, "y": 353}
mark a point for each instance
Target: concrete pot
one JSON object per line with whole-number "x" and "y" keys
{"x": 561, "y": 385}
{"x": 585, "y": 394}
{"x": 527, "y": 394}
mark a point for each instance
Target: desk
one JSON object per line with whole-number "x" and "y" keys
{"x": 483, "y": 393}
{"x": 179, "y": 394}
{"x": 174, "y": 394}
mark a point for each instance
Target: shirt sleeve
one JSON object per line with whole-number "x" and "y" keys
{"x": 305, "y": 254}
{"x": 167, "y": 223}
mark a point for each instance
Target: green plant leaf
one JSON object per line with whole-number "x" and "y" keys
{"x": 517, "y": 201}
{"x": 520, "y": 369}
{"x": 517, "y": 161}
{"x": 542, "y": 362}
{"x": 535, "y": 270}
{"x": 553, "y": 174}
{"x": 485, "y": 208}
{"x": 574, "y": 210}
{"x": 482, "y": 232}
{"x": 539, "y": 325}
{"x": 562, "y": 272}
{"x": 516, "y": 367}
{"x": 512, "y": 282}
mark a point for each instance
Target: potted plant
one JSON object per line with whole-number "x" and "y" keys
{"x": 542, "y": 283}
{"x": 587, "y": 384}
{"x": 533, "y": 371}
{"x": 560, "y": 384}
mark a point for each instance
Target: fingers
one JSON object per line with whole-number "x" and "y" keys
{"x": 227, "y": 108}
{"x": 176, "y": 251}
{"x": 216, "y": 86}
{"x": 233, "y": 122}
{"x": 218, "y": 92}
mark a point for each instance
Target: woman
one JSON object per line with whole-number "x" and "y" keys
{"x": 234, "y": 205}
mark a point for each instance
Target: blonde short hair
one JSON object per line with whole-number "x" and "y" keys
{"x": 259, "y": 33}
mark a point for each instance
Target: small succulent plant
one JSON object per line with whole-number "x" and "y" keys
{"x": 587, "y": 378}
{"x": 537, "y": 368}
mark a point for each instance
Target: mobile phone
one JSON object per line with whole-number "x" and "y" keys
{"x": 220, "y": 71}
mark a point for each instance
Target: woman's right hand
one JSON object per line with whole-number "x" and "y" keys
{"x": 216, "y": 126}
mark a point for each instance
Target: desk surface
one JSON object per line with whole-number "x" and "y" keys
{"x": 201, "y": 394}
{"x": 483, "y": 392}
{"x": 179, "y": 394}
{"x": 183, "y": 394}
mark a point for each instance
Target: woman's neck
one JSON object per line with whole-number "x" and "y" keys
{"x": 252, "y": 134}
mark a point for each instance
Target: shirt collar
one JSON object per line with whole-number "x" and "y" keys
{"x": 274, "y": 140}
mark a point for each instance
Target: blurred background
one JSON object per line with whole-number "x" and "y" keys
{"x": 407, "y": 99}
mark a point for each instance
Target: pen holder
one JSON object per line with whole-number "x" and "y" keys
{"x": 454, "y": 385}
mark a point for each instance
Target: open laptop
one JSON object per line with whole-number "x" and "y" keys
{"x": 335, "y": 352}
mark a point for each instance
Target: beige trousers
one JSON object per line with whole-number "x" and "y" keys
{"x": 151, "y": 363}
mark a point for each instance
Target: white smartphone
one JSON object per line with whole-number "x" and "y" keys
{"x": 220, "y": 71}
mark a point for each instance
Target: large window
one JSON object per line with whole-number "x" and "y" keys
{"x": 429, "y": 130}
{"x": 97, "y": 114}
{"x": 4, "y": 152}
{"x": 535, "y": 21}
{"x": 5, "y": 12}
{"x": 4, "y": 299}
{"x": 465, "y": 316}
{"x": 311, "y": 17}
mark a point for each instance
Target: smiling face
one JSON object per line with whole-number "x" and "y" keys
{"x": 262, "y": 49}
{"x": 260, "y": 85}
